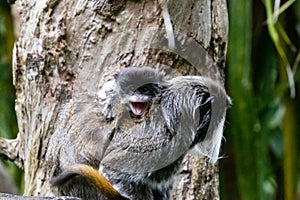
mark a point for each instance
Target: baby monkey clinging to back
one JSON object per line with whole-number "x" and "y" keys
{"x": 154, "y": 124}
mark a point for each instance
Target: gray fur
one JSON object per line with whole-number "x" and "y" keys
{"x": 141, "y": 155}
{"x": 131, "y": 78}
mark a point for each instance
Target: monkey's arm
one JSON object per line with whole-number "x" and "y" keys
{"x": 109, "y": 98}
{"x": 93, "y": 176}
{"x": 202, "y": 104}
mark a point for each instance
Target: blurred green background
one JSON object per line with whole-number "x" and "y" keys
{"x": 8, "y": 122}
{"x": 261, "y": 152}
{"x": 262, "y": 135}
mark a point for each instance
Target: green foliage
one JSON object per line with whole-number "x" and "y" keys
{"x": 8, "y": 123}
{"x": 263, "y": 77}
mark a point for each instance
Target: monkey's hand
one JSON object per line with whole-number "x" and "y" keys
{"x": 109, "y": 98}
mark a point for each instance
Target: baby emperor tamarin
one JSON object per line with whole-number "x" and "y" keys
{"x": 154, "y": 122}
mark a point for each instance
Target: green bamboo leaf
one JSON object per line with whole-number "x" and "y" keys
{"x": 276, "y": 40}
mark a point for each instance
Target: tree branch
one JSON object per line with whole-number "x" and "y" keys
{"x": 10, "y": 149}
{"x": 15, "y": 197}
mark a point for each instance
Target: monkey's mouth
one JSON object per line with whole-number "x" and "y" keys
{"x": 139, "y": 104}
{"x": 138, "y": 108}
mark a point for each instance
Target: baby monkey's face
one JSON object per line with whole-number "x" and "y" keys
{"x": 142, "y": 98}
{"x": 137, "y": 88}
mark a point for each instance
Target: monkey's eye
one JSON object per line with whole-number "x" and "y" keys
{"x": 144, "y": 90}
{"x": 148, "y": 89}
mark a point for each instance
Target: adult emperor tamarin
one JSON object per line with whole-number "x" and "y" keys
{"x": 154, "y": 122}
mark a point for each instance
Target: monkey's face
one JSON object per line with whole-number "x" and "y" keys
{"x": 137, "y": 88}
{"x": 141, "y": 99}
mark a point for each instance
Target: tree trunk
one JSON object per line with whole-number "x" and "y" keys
{"x": 69, "y": 49}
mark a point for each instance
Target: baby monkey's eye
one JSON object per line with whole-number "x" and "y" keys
{"x": 144, "y": 89}
{"x": 149, "y": 89}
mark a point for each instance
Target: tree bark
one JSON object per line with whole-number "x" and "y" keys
{"x": 69, "y": 49}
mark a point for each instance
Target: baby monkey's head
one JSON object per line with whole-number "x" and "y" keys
{"x": 137, "y": 87}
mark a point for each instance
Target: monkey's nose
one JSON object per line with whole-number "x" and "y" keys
{"x": 139, "y": 98}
